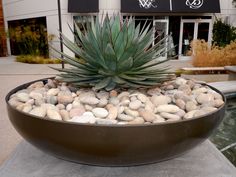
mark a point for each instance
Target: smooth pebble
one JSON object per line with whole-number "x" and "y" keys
{"x": 131, "y": 112}
{"x": 204, "y": 98}
{"x": 64, "y": 115}
{"x": 148, "y": 116}
{"x": 53, "y": 91}
{"x": 89, "y": 100}
{"x": 53, "y": 114}
{"x": 190, "y": 106}
{"x": 23, "y": 97}
{"x": 136, "y": 104}
{"x": 100, "y": 112}
{"x": 125, "y": 117}
{"x": 160, "y": 100}
{"x": 180, "y": 103}
{"x": 112, "y": 113}
{"x": 169, "y": 116}
{"x": 38, "y": 111}
{"x": 35, "y": 95}
{"x": 168, "y": 108}
{"x": 138, "y": 120}
{"x": 76, "y": 111}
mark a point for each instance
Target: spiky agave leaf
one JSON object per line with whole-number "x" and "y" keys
{"x": 115, "y": 54}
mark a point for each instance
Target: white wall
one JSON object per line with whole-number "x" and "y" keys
{"x": 228, "y": 11}
{"x": 23, "y": 9}
{"x": 109, "y": 6}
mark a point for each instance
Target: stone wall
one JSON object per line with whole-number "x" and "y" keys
{"x": 3, "y": 46}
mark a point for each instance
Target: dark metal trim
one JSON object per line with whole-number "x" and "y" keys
{"x": 60, "y": 30}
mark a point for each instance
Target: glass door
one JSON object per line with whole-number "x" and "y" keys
{"x": 203, "y": 31}
{"x": 187, "y": 34}
{"x": 161, "y": 27}
{"x": 191, "y": 29}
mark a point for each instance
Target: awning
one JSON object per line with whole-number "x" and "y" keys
{"x": 81, "y": 6}
{"x": 198, "y": 6}
{"x": 145, "y": 6}
{"x": 170, "y": 6}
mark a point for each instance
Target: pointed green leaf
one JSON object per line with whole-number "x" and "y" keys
{"x": 110, "y": 58}
{"x": 110, "y": 86}
{"x": 115, "y": 28}
{"x": 103, "y": 83}
{"x": 125, "y": 64}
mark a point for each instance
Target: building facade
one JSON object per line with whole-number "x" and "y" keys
{"x": 185, "y": 20}
{"x": 3, "y": 46}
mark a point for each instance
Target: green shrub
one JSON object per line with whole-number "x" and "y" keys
{"x": 223, "y": 33}
{"x": 30, "y": 41}
{"x": 36, "y": 59}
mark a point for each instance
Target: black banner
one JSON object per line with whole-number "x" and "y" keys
{"x": 82, "y": 6}
{"x": 178, "y": 6}
{"x": 199, "y": 6}
{"x": 145, "y": 6}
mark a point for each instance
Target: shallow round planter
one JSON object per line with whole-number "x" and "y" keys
{"x": 113, "y": 145}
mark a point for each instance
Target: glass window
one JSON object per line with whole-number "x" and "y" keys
{"x": 29, "y": 36}
{"x": 188, "y": 36}
{"x": 81, "y": 21}
{"x": 203, "y": 31}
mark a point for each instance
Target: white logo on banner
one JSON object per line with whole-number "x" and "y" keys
{"x": 147, "y": 4}
{"x": 194, "y": 4}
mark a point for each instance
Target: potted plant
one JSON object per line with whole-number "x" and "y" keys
{"x": 115, "y": 106}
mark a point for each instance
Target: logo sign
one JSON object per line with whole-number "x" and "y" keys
{"x": 194, "y": 4}
{"x": 147, "y": 4}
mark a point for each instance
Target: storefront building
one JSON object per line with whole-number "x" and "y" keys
{"x": 185, "y": 20}
{"x": 3, "y": 46}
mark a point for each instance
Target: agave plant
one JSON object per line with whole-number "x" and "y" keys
{"x": 112, "y": 54}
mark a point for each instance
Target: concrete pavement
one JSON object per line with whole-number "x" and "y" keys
{"x": 13, "y": 74}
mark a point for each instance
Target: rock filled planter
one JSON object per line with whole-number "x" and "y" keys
{"x": 128, "y": 125}
{"x": 117, "y": 128}
{"x": 172, "y": 101}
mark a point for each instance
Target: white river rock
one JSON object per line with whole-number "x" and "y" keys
{"x": 100, "y": 112}
{"x": 168, "y": 108}
{"x": 53, "y": 114}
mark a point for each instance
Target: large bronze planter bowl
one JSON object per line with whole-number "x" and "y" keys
{"x": 113, "y": 145}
